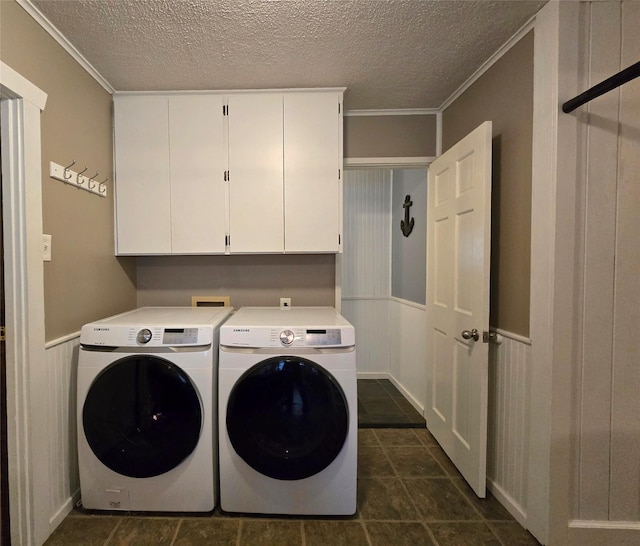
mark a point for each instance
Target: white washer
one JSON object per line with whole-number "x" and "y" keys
{"x": 288, "y": 412}
{"x": 147, "y": 410}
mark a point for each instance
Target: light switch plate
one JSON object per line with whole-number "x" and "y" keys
{"x": 46, "y": 248}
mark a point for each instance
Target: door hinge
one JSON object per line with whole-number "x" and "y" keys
{"x": 338, "y": 108}
{"x": 227, "y": 240}
{"x": 3, "y": 333}
{"x": 339, "y": 174}
{"x": 339, "y": 240}
{"x": 226, "y": 176}
{"x": 225, "y": 109}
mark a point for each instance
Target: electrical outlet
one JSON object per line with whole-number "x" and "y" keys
{"x": 46, "y": 248}
{"x": 285, "y": 303}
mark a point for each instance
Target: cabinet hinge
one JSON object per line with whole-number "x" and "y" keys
{"x": 339, "y": 240}
{"x": 338, "y": 108}
{"x": 3, "y": 333}
{"x": 226, "y": 176}
{"x": 227, "y": 240}
{"x": 339, "y": 174}
{"x": 225, "y": 109}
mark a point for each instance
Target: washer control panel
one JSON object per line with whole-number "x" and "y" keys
{"x": 302, "y": 337}
{"x": 146, "y": 336}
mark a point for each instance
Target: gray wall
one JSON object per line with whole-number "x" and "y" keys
{"x": 390, "y": 135}
{"x": 247, "y": 279}
{"x": 408, "y": 257}
{"x": 504, "y": 95}
{"x": 84, "y": 281}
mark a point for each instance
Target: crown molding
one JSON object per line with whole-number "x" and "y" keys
{"x": 528, "y": 26}
{"x": 39, "y": 17}
{"x": 396, "y": 112}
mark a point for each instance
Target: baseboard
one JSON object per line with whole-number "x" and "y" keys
{"x": 384, "y": 375}
{"x": 508, "y": 502}
{"x": 63, "y": 511}
{"x": 373, "y": 375}
{"x": 604, "y": 533}
{"x": 418, "y": 407}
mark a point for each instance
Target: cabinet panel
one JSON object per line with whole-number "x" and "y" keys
{"x": 197, "y": 165}
{"x": 142, "y": 175}
{"x": 255, "y": 173}
{"x": 312, "y": 165}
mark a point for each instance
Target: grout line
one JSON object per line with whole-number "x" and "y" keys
{"x": 113, "y": 532}
{"x": 175, "y": 534}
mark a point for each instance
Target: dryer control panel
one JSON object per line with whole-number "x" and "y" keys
{"x": 286, "y": 337}
{"x": 141, "y": 336}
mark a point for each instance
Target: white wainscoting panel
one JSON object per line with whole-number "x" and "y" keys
{"x": 408, "y": 350}
{"x": 370, "y": 318}
{"x": 366, "y": 266}
{"x": 62, "y": 364}
{"x": 508, "y": 433}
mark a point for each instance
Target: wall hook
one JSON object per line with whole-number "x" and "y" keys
{"x": 66, "y": 169}
{"x": 92, "y": 179}
{"x": 79, "y": 179}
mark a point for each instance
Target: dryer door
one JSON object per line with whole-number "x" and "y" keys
{"x": 142, "y": 416}
{"x": 287, "y": 417}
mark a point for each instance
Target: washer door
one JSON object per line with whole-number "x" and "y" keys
{"x": 142, "y": 416}
{"x": 287, "y": 417}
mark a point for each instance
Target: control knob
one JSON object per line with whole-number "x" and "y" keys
{"x": 144, "y": 336}
{"x": 287, "y": 337}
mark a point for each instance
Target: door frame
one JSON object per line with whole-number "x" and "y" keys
{"x": 22, "y": 103}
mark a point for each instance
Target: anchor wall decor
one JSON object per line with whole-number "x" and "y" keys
{"x": 406, "y": 225}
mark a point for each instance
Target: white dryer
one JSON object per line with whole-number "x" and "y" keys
{"x": 147, "y": 410}
{"x": 288, "y": 412}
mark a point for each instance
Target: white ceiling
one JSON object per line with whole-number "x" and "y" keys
{"x": 390, "y": 54}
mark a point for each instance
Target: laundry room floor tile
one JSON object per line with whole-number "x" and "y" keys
{"x": 462, "y": 533}
{"x": 89, "y": 531}
{"x": 438, "y": 499}
{"x": 204, "y": 531}
{"x": 384, "y": 533}
{"x": 335, "y": 533}
{"x": 384, "y": 499}
{"x": 381, "y": 404}
{"x": 259, "y": 533}
{"x": 135, "y": 531}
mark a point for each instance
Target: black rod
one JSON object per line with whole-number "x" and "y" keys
{"x": 614, "y": 81}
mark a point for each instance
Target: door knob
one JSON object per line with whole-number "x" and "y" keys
{"x": 471, "y": 334}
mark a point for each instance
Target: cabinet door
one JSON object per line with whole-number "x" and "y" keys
{"x": 255, "y": 173}
{"x": 143, "y": 209}
{"x": 312, "y": 167}
{"x": 197, "y": 165}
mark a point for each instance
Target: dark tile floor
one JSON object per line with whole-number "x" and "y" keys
{"x": 381, "y": 405}
{"x": 408, "y": 493}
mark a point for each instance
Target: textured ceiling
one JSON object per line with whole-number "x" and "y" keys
{"x": 388, "y": 53}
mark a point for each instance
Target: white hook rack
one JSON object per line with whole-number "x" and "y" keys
{"x": 90, "y": 184}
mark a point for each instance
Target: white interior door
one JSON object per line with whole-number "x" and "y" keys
{"x": 458, "y": 252}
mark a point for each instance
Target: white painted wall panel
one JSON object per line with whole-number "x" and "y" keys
{"x": 607, "y": 416}
{"x": 366, "y": 265}
{"x": 408, "y": 351}
{"x": 625, "y": 410}
{"x": 61, "y": 365}
{"x": 371, "y": 321}
{"x": 366, "y": 269}
{"x": 508, "y": 418}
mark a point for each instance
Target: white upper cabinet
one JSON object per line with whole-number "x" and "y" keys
{"x": 312, "y": 171}
{"x": 255, "y": 173}
{"x": 197, "y": 159}
{"x": 264, "y": 178}
{"x": 143, "y": 193}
